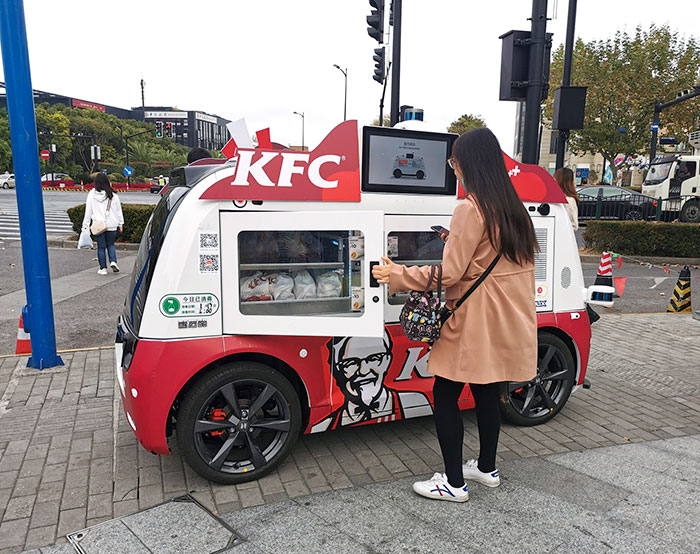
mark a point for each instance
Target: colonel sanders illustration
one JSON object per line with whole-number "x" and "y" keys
{"x": 359, "y": 366}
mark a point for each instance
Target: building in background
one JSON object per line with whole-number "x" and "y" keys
{"x": 191, "y": 128}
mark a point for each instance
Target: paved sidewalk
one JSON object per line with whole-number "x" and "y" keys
{"x": 66, "y": 461}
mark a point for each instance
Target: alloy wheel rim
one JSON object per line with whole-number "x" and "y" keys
{"x": 545, "y": 392}
{"x": 242, "y": 426}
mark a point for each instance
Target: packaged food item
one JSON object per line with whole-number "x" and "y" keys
{"x": 281, "y": 285}
{"x": 357, "y": 247}
{"x": 329, "y": 285}
{"x": 358, "y": 298}
{"x": 255, "y": 287}
{"x": 304, "y": 285}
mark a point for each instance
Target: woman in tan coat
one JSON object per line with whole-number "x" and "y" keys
{"x": 492, "y": 337}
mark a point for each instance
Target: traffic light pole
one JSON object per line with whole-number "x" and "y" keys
{"x": 658, "y": 108}
{"x": 396, "y": 63}
{"x": 38, "y": 313}
{"x": 381, "y": 102}
{"x": 533, "y": 100}
{"x": 566, "y": 77}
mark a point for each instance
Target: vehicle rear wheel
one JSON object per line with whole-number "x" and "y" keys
{"x": 634, "y": 214}
{"x": 397, "y": 173}
{"x": 690, "y": 213}
{"x": 539, "y": 400}
{"x": 5, "y": 186}
{"x": 420, "y": 174}
{"x": 238, "y": 422}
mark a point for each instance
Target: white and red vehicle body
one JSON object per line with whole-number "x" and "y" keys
{"x": 184, "y": 316}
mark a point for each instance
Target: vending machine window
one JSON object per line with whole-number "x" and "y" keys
{"x": 300, "y": 272}
{"x": 413, "y": 248}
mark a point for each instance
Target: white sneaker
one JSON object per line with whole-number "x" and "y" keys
{"x": 438, "y": 488}
{"x": 470, "y": 470}
{"x": 102, "y": 271}
{"x": 114, "y": 267}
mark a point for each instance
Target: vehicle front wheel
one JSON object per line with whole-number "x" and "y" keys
{"x": 634, "y": 214}
{"x": 5, "y": 186}
{"x": 238, "y": 422}
{"x": 539, "y": 400}
{"x": 690, "y": 213}
{"x": 420, "y": 174}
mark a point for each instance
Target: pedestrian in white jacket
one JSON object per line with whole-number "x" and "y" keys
{"x": 103, "y": 205}
{"x": 565, "y": 177}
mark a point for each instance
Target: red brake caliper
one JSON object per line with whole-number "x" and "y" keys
{"x": 217, "y": 415}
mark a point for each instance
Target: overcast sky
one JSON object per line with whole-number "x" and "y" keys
{"x": 265, "y": 59}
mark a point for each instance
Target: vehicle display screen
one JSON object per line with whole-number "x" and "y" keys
{"x": 406, "y": 161}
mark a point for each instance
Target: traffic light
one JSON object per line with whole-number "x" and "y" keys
{"x": 379, "y": 65}
{"x": 159, "y": 129}
{"x": 376, "y": 20}
{"x": 169, "y": 130}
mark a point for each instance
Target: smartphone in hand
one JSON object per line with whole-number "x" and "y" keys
{"x": 440, "y": 230}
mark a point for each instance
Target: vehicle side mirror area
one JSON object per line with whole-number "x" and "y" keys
{"x": 600, "y": 295}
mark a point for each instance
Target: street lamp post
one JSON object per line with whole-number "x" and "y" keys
{"x": 302, "y": 129}
{"x": 345, "y": 102}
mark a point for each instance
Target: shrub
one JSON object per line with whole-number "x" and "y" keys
{"x": 135, "y": 219}
{"x": 643, "y": 238}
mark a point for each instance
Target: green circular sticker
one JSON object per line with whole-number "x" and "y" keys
{"x": 171, "y": 305}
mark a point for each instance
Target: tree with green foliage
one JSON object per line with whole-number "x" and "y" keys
{"x": 466, "y": 123}
{"x": 73, "y": 153}
{"x": 624, "y": 75}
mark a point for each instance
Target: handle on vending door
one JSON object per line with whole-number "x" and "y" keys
{"x": 373, "y": 283}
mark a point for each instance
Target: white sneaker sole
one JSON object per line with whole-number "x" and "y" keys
{"x": 432, "y": 496}
{"x": 481, "y": 481}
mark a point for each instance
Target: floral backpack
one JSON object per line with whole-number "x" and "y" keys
{"x": 420, "y": 316}
{"x": 423, "y": 314}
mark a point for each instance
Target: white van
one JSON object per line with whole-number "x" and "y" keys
{"x": 252, "y": 316}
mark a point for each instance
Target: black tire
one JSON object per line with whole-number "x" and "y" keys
{"x": 542, "y": 398}
{"x": 634, "y": 214}
{"x": 397, "y": 173}
{"x": 690, "y": 212}
{"x": 420, "y": 174}
{"x": 5, "y": 186}
{"x": 231, "y": 444}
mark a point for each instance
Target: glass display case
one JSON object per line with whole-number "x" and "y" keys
{"x": 413, "y": 248}
{"x": 295, "y": 272}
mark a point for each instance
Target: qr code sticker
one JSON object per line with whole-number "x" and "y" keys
{"x": 208, "y": 241}
{"x": 208, "y": 263}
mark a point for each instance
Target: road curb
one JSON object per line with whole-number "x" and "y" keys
{"x": 595, "y": 258}
{"x": 58, "y": 242}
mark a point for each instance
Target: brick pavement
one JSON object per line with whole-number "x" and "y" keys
{"x": 64, "y": 464}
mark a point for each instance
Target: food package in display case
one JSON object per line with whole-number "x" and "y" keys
{"x": 281, "y": 285}
{"x": 255, "y": 287}
{"x": 358, "y": 298}
{"x": 328, "y": 285}
{"x": 356, "y": 246}
{"x": 304, "y": 285}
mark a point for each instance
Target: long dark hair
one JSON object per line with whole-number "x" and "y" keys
{"x": 102, "y": 184}
{"x": 481, "y": 161}
{"x": 565, "y": 177}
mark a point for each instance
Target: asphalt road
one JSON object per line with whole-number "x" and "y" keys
{"x": 55, "y": 200}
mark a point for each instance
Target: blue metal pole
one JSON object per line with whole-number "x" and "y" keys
{"x": 38, "y": 313}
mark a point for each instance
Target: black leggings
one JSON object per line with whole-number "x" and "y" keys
{"x": 450, "y": 428}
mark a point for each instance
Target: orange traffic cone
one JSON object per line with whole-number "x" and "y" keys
{"x": 24, "y": 345}
{"x": 603, "y": 289}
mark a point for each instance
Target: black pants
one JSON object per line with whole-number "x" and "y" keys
{"x": 450, "y": 428}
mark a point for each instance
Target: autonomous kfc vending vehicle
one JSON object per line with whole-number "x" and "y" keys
{"x": 252, "y": 315}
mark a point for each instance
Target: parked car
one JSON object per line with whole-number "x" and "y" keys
{"x": 7, "y": 180}
{"x": 616, "y": 203}
{"x": 58, "y": 178}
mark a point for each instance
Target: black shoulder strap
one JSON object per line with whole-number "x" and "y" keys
{"x": 478, "y": 281}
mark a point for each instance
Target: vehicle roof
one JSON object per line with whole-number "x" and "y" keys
{"x": 665, "y": 159}
{"x": 621, "y": 189}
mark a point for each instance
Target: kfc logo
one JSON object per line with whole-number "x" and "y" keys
{"x": 329, "y": 173}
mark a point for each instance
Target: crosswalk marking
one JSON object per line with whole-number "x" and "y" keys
{"x": 57, "y": 223}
